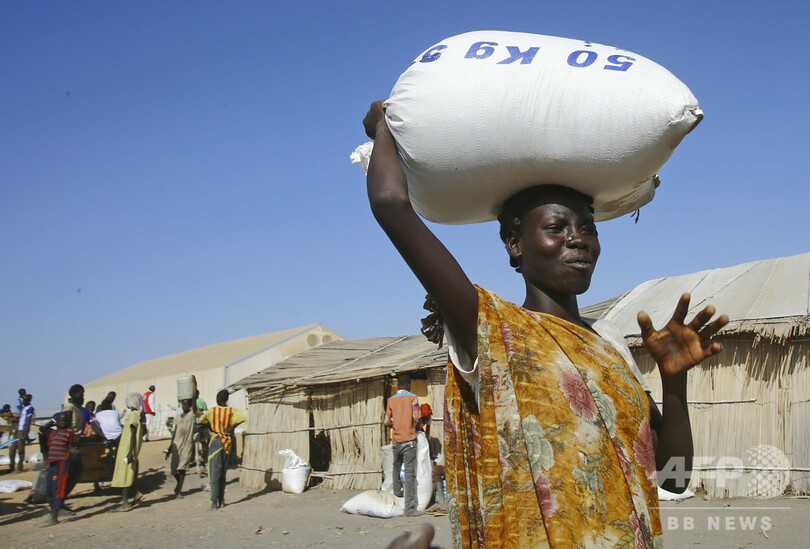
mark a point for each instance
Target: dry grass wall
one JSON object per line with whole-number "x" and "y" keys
{"x": 755, "y": 392}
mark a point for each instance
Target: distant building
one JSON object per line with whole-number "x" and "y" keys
{"x": 214, "y": 366}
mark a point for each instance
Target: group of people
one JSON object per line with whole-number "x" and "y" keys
{"x": 123, "y": 435}
{"x": 220, "y": 421}
{"x": 79, "y": 421}
{"x": 20, "y": 423}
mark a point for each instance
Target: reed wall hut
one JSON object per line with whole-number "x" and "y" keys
{"x": 214, "y": 366}
{"x": 327, "y": 405}
{"x": 750, "y": 403}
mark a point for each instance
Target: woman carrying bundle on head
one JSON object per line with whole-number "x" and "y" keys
{"x": 550, "y": 437}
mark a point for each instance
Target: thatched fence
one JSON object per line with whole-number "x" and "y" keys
{"x": 753, "y": 395}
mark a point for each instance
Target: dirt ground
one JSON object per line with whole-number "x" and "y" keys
{"x": 314, "y": 518}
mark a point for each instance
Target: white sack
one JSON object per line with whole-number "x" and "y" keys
{"x": 424, "y": 470}
{"x": 483, "y": 115}
{"x": 34, "y": 458}
{"x": 375, "y": 503}
{"x": 386, "y": 454}
{"x": 294, "y": 473}
{"x": 12, "y": 485}
{"x": 5, "y": 460}
{"x": 666, "y": 495}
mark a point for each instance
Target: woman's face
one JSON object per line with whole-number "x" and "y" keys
{"x": 559, "y": 246}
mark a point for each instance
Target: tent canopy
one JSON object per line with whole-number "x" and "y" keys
{"x": 217, "y": 355}
{"x": 761, "y": 297}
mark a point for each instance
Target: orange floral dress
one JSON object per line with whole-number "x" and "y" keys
{"x": 558, "y": 450}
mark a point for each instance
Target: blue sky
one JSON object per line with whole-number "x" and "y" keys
{"x": 177, "y": 174}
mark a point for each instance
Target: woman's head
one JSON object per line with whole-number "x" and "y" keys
{"x": 551, "y": 238}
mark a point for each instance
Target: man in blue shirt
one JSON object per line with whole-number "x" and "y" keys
{"x": 23, "y": 426}
{"x": 20, "y": 395}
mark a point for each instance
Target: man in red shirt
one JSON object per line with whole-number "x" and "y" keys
{"x": 149, "y": 410}
{"x": 403, "y": 414}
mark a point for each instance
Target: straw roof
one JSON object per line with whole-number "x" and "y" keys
{"x": 217, "y": 355}
{"x": 767, "y": 298}
{"x": 348, "y": 360}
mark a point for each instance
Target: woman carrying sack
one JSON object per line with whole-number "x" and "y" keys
{"x": 550, "y": 438}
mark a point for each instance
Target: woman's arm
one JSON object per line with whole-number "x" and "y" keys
{"x": 427, "y": 257}
{"x": 133, "y": 439}
{"x": 676, "y": 348}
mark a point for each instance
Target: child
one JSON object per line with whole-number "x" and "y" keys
{"x": 59, "y": 444}
{"x": 181, "y": 447}
{"x": 126, "y": 461}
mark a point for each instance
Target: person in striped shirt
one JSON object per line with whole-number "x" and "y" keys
{"x": 223, "y": 420}
{"x": 60, "y": 441}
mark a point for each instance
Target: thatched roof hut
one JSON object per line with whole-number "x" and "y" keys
{"x": 749, "y": 404}
{"x": 327, "y": 405}
{"x": 751, "y": 401}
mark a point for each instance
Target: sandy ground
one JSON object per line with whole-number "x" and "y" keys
{"x": 314, "y": 518}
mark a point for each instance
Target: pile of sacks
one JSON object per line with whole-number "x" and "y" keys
{"x": 383, "y": 503}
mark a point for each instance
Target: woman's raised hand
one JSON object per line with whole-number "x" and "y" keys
{"x": 677, "y": 346}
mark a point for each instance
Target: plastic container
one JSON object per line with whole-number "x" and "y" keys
{"x": 186, "y": 387}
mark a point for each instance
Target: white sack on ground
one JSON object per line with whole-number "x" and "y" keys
{"x": 424, "y": 470}
{"x": 666, "y": 495}
{"x": 483, "y": 115}
{"x": 375, "y": 503}
{"x": 12, "y": 485}
{"x": 294, "y": 473}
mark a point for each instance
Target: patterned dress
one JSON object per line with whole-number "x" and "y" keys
{"x": 557, "y": 452}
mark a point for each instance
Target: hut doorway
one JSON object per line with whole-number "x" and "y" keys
{"x": 320, "y": 450}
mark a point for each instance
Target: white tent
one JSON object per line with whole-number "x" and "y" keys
{"x": 771, "y": 292}
{"x": 215, "y": 367}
